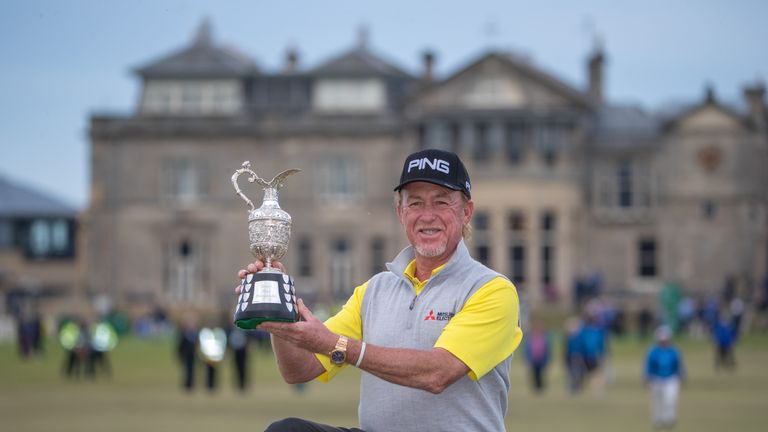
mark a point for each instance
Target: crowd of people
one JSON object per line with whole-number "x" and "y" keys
{"x": 208, "y": 348}
{"x": 585, "y": 344}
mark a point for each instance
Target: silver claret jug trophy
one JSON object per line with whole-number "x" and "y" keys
{"x": 268, "y": 295}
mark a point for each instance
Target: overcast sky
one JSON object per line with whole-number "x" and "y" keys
{"x": 63, "y": 60}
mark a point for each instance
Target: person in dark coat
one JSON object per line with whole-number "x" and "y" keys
{"x": 186, "y": 350}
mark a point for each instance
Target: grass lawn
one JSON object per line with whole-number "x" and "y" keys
{"x": 144, "y": 395}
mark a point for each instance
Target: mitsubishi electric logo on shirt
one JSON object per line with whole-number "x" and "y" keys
{"x": 441, "y": 316}
{"x": 435, "y": 164}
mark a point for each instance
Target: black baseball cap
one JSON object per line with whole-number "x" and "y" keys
{"x": 439, "y": 167}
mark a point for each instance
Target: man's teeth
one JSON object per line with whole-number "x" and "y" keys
{"x": 429, "y": 231}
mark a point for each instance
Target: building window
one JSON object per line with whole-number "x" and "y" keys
{"x": 438, "y": 136}
{"x": 548, "y": 222}
{"x": 517, "y": 247}
{"x": 514, "y": 143}
{"x": 350, "y": 95}
{"x": 40, "y": 238}
{"x": 647, "y": 255}
{"x": 305, "y": 256}
{"x": 377, "y": 255}
{"x": 184, "y": 180}
{"x": 50, "y": 238}
{"x": 341, "y": 268}
{"x": 6, "y": 234}
{"x": 550, "y": 139}
{"x": 482, "y": 236}
{"x": 183, "y": 270}
{"x": 59, "y": 236}
{"x": 709, "y": 210}
{"x": 481, "y": 145}
{"x": 624, "y": 177}
{"x": 340, "y": 180}
{"x": 455, "y": 137}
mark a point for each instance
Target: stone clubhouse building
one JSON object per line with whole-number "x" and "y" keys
{"x": 567, "y": 184}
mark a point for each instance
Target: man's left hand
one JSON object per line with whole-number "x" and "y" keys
{"x": 308, "y": 333}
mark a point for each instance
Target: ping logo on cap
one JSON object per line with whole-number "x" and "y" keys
{"x": 435, "y": 164}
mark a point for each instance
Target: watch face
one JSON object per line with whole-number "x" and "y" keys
{"x": 338, "y": 357}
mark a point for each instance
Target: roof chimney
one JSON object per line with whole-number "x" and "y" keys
{"x": 291, "y": 60}
{"x": 755, "y": 97}
{"x": 709, "y": 94}
{"x": 203, "y": 36}
{"x": 595, "y": 66}
{"x": 428, "y": 58}
{"x": 362, "y": 37}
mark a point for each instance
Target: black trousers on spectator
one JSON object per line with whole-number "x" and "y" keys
{"x": 293, "y": 424}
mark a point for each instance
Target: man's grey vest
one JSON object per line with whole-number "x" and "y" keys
{"x": 392, "y": 316}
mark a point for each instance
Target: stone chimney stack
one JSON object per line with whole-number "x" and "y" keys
{"x": 291, "y": 60}
{"x": 428, "y": 59}
{"x": 755, "y": 96}
{"x": 595, "y": 66}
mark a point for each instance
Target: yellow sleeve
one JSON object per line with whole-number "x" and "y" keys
{"x": 348, "y": 323}
{"x": 486, "y": 330}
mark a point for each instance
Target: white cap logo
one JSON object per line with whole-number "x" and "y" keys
{"x": 435, "y": 164}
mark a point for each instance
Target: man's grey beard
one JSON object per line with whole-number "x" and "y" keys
{"x": 431, "y": 252}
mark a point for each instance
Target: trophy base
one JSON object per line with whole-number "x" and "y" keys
{"x": 251, "y": 323}
{"x": 265, "y": 296}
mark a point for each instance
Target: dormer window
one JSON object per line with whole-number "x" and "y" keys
{"x": 191, "y": 97}
{"x": 349, "y": 95}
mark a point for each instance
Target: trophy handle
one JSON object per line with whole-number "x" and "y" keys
{"x": 245, "y": 169}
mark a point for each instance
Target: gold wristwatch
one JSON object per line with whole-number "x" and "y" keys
{"x": 339, "y": 353}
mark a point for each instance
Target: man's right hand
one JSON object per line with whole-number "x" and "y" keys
{"x": 256, "y": 267}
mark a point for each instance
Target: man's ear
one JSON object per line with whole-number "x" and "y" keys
{"x": 469, "y": 208}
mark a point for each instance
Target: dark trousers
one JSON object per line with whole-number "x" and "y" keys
{"x": 724, "y": 357}
{"x": 210, "y": 377}
{"x": 241, "y": 361}
{"x": 537, "y": 377}
{"x": 188, "y": 364}
{"x": 293, "y": 424}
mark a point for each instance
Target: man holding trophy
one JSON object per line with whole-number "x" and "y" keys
{"x": 434, "y": 334}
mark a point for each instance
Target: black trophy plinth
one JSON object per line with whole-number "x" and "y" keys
{"x": 266, "y": 296}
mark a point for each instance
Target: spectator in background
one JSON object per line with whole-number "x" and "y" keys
{"x": 592, "y": 339}
{"x": 736, "y": 309}
{"x": 186, "y": 350}
{"x": 686, "y": 310}
{"x": 724, "y": 338}
{"x": 664, "y": 372}
{"x": 73, "y": 337}
{"x": 573, "y": 356}
{"x": 238, "y": 342}
{"x": 537, "y": 349}
{"x": 213, "y": 347}
{"x": 644, "y": 321}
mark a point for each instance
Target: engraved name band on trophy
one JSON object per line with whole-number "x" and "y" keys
{"x": 268, "y": 295}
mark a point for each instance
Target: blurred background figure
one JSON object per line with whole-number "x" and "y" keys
{"x": 186, "y": 350}
{"x": 573, "y": 355}
{"x": 724, "y": 337}
{"x": 537, "y": 351}
{"x": 669, "y": 299}
{"x": 594, "y": 348}
{"x": 663, "y": 374}
{"x": 73, "y": 337}
{"x": 30, "y": 334}
{"x": 644, "y": 321}
{"x": 103, "y": 340}
{"x": 213, "y": 347}
{"x": 238, "y": 343}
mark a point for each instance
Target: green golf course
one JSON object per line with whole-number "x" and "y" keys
{"x": 144, "y": 394}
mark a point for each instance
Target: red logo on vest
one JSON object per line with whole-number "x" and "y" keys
{"x": 431, "y": 316}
